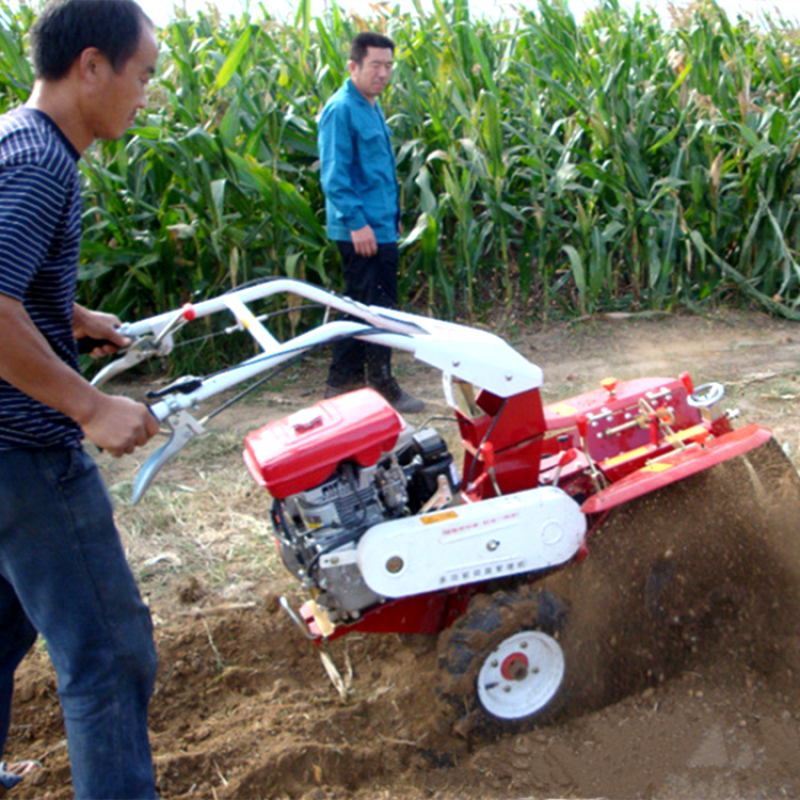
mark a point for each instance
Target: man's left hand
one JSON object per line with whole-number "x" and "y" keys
{"x": 101, "y": 326}
{"x": 364, "y": 241}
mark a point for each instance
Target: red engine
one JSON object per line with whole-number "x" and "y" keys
{"x": 335, "y": 470}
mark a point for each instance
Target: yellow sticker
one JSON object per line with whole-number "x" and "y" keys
{"x": 628, "y": 455}
{"x": 689, "y": 433}
{"x": 431, "y": 519}
{"x": 659, "y": 466}
{"x": 562, "y": 409}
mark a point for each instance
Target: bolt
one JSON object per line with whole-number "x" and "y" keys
{"x": 394, "y": 565}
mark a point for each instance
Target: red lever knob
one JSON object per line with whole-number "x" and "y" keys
{"x": 487, "y": 454}
{"x": 609, "y": 384}
{"x": 567, "y": 456}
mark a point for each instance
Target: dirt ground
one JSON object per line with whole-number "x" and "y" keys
{"x": 663, "y": 707}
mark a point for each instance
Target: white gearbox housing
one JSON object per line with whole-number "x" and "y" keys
{"x": 502, "y": 536}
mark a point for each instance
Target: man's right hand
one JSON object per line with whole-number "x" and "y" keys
{"x": 120, "y": 425}
{"x": 116, "y": 424}
{"x": 364, "y": 241}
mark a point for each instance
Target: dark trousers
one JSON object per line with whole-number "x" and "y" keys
{"x": 371, "y": 280}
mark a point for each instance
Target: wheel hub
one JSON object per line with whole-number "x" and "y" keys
{"x": 515, "y": 667}
{"x": 521, "y": 676}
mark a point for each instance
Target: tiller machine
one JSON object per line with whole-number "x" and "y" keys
{"x": 388, "y": 533}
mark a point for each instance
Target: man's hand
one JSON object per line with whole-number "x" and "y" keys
{"x": 101, "y": 326}
{"x": 364, "y": 241}
{"x": 115, "y": 424}
{"x": 120, "y": 425}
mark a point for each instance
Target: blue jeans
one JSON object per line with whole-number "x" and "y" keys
{"x": 64, "y": 574}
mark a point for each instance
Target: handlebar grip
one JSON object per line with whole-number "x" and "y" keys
{"x": 86, "y": 344}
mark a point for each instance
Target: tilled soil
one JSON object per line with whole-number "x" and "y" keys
{"x": 683, "y": 639}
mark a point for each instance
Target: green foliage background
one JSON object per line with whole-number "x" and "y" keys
{"x": 615, "y": 163}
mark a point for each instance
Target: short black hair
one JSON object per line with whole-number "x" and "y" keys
{"x": 65, "y": 28}
{"x": 358, "y": 49}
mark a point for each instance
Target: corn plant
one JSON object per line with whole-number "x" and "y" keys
{"x": 609, "y": 163}
{"x": 16, "y": 74}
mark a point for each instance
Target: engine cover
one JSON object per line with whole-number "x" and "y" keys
{"x": 495, "y": 538}
{"x": 301, "y": 451}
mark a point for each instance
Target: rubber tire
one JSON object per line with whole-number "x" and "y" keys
{"x": 463, "y": 649}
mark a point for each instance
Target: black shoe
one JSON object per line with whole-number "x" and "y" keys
{"x": 399, "y": 400}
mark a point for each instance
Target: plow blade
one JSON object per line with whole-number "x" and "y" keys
{"x": 677, "y": 466}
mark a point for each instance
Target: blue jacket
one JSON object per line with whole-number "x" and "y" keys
{"x": 358, "y": 172}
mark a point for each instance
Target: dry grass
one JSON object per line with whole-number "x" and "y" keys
{"x": 204, "y": 520}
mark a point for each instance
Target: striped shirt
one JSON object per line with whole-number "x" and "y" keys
{"x": 40, "y": 228}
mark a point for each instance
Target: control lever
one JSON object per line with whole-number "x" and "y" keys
{"x": 184, "y": 428}
{"x": 143, "y": 347}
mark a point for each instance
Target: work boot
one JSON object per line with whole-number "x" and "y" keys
{"x": 399, "y": 400}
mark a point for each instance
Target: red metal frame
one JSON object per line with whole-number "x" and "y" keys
{"x": 427, "y": 613}
{"x": 625, "y": 440}
{"x": 676, "y": 466}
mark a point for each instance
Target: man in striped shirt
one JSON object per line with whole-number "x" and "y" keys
{"x": 63, "y": 572}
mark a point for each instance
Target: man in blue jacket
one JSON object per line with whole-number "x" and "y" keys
{"x": 362, "y": 206}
